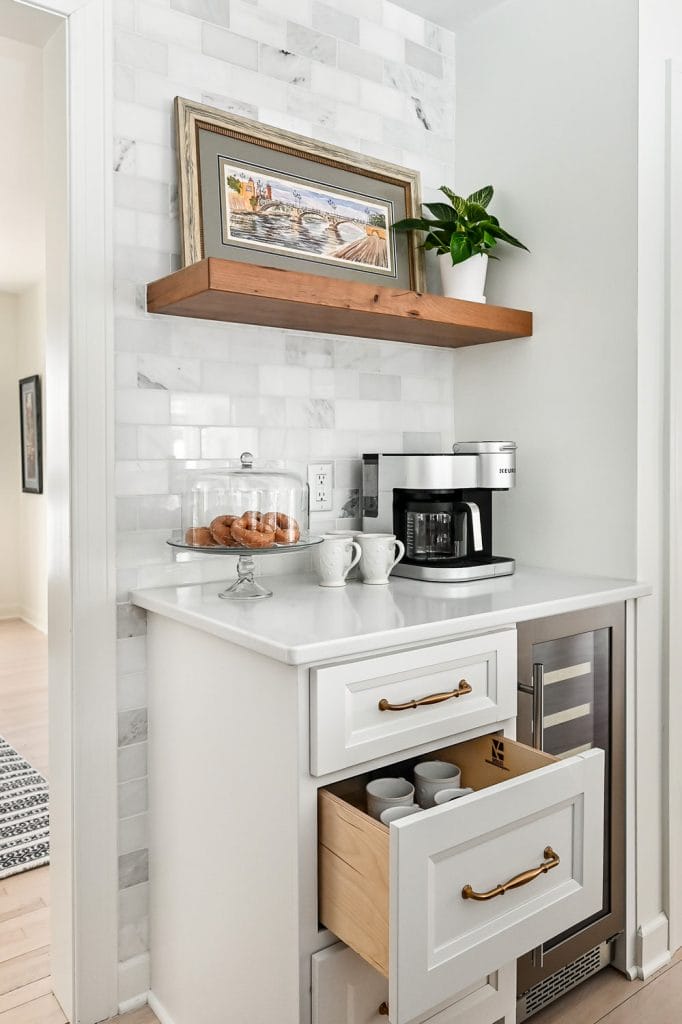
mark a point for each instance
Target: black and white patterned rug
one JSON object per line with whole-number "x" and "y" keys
{"x": 24, "y": 814}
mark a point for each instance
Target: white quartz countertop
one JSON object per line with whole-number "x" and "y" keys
{"x": 304, "y": 623}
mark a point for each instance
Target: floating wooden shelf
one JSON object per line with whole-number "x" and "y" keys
{"x": 242, "y": 293}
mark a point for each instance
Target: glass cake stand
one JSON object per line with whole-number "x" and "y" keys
{"x": 245, "y": 587}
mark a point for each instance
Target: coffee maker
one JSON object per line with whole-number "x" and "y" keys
{"x": 440, "y": 507}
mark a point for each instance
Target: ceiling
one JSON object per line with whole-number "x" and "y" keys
{"x": 23, "y": 32}
{"x": 452, "y": 14}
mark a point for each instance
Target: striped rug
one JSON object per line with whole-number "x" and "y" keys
{"x": 24, "y": 814}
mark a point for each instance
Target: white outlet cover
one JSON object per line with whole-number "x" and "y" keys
{"x": 321, "y": 483}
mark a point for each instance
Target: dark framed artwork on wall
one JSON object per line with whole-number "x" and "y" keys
{"x": 31, "y": 435}
{"x": 257, "y": 194}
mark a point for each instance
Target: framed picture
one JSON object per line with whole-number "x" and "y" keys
{"x": 257, "y": 194}
{"x": 31, "y": 435}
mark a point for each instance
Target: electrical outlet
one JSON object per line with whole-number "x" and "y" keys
{"x": 320, "y": 483}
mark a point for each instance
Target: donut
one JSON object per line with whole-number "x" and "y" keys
{"x": 286, "y": 528}
{"x": 250, "y": 532}
{"x": 221, "y": 531}
{"x": 199, "y": 537}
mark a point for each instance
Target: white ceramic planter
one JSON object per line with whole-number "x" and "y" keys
{"x": 465, "y": 280}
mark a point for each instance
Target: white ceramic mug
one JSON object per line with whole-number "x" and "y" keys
{"x": 385, "y": 793}
{"x": 444, "y": 796}
{"x": 334, "y": 558}
{"x": 432, "y": 776}
{"x": 354, "y": 572}
{"x": 378, "y": 556}
{"x": 394, "y": 813}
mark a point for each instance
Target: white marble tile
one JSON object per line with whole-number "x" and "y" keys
{"x": 284, "y": 65}
{"x": 372, "y": 415}
{"x": 217, "y": 11}
{"x": 132, "y": 798}
{"x": 142, "y": 124}
{"x": 126, "y": 581}
{"x": 424, "y": 59}
{"x": 386, "y": 43}
{"x": 133, "y": 868}
{"x": 295, "y": 10}
{"x": 291, "y": 381}
{"x": 168, "y": 442}
{"x": 309, "y": 350}
{"x": 315, "y": 45}
{"x": 228, "y": 442}
{"x": 133, "y": 939}
{"x": 404, "y": 23}
{"x": 125, "y": 441}
{"x": 139, "y": 194}
{"x": 329, "y": 81}
{"x": 158, "y": 511}
{"x": 168, "y": 25}
{"x": 130, "y": 620}
{"x": 132, "y": 762}
{"x": 201, "y": 409}
{"x": 133, "y": 903}
{"x": 314, "y": 110}
{"x": 141, "y": 478}
{"x": 264, "y": 26}
{"x": 131, "y": 690}
{"x": 158, "y": 232}
{"x": 371, "y": 10}
{"x": 422, "y": 441}
{"x": 384, "y": 387}
{"x": 229, "y": 47}
{"x": 168, "y": 373}
{"x": 135, "y": 405}
{"x": 230, "y": 105}
{"x": 133, "y": 833}
{"x": 258, "y": 412}
{"x": 348, "y": 473}
{"x": 137, "y": 52}
{"x": 357, "y": 354}
{"x": 198, "y": 70}
{"x": 124, "y": 83}
{"x": 357, "y": 61}
{"x": 125, "y": 227}
{"x": 335, "y": 22}
{"x": 368, "y": 125}
{"x": 333, "y": 444}
{"x": 124, "y": 14}
{"x": 316, "y": 413}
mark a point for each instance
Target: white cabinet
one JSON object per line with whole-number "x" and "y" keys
{"x": 346, "y": 991}
{"x": 361, "y": 710}
{"x": 449, "y": 894}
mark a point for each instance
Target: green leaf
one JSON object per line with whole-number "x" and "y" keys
{"x": 441, "y": 211}
{"x": 477, "y": 213}
{"x": 457, "y": 201}
{"x": 504, "y": 236}
{"x": 489, "y": 241}
{"x": 413, "y": 224}
{"x": 482, "y": 197}
{"x": 460, "y": 248}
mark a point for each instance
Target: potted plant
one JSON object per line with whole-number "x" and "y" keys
{"x": 463, "y": 233}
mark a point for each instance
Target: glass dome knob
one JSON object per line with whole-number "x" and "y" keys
{"x": 246, "y": 460}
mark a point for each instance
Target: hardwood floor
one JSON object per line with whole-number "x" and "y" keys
{"x": 23, "y": 690}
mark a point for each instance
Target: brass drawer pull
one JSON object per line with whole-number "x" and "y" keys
{"x": 383, "y": 1010}
{"x": 435, "y": 698}
{"x": 552, "y": 860}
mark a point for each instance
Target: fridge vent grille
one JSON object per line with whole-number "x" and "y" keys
{"x": 560, "y": 982}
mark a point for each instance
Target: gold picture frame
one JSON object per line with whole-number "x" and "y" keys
{"x": 259, "y": 194}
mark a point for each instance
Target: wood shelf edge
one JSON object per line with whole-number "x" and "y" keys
{"x": 226, "y": 290}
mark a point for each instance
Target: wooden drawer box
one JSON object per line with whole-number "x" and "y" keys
{"x": 397, "y": 895}
{"x": 350, "y": 724}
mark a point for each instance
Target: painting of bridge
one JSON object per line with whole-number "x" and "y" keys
{"x": 308, "y": 220}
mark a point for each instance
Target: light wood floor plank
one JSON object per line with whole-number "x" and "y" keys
{"x": 26, "y": 994}
{"x": 24, "y": 970}
{"x": 659, "y": 1002}
{"x": 45, "y": 1010}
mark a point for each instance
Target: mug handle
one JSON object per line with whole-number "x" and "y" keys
{"x": 401, "y": 554}
{"x": 356, "y": 557}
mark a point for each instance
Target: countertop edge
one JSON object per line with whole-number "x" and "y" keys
{"x": 314, "y": 653}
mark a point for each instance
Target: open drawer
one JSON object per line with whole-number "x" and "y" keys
{"x": 424, "y": 901}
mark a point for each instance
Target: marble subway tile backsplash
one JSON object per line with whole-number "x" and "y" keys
{"x": 361, "y": 74}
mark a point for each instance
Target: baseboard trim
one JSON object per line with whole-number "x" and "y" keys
{"x": 136, "y": 1003}
{"x": 159, "y": 1010}
{"x": 26, "y": 617}
{"x": 133, "y": 983}
{"x": 652, "y": 946}
{"x": 9, "y": 612}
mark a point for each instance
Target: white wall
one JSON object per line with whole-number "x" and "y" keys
{"x": 547, "y": 112}
{"x": 32, "y": 513}
{"x": 23, "y": 566}
{"x": 10, "y": 467}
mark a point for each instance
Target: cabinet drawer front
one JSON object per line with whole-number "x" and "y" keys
{"x": 348, "y": 727}
{"x": 346, "y": 990}
{"x": 439, "y": 939}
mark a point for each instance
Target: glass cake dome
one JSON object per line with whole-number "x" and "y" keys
{"x": 247, "y": 508}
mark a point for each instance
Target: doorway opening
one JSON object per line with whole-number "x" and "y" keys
{"x": 31, "y": 53}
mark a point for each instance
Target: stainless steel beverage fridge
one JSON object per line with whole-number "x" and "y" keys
{"x": 572, "y": 698}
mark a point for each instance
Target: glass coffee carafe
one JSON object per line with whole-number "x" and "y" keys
{"x": 432, "y": 536}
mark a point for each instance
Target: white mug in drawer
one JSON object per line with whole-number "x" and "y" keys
{"x": 440, "y": 898}
{"x": 361, "y": 710}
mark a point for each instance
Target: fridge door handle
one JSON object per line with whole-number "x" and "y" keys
{"x": 537, "y": 692}
{"x": 538, "y": 705}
